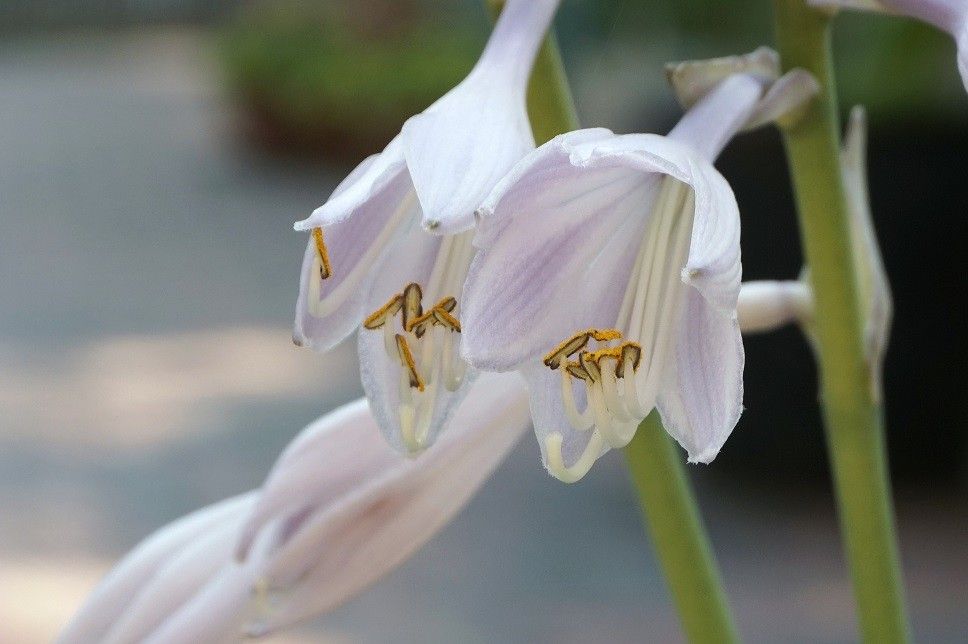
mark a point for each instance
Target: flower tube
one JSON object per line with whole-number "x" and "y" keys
{"x": 338, "y": 511}
{"x": 609, "y": 272}
{"x": 368, "y": 263}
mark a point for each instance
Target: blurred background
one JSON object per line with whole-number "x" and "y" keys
{"x": 153, "y": 155}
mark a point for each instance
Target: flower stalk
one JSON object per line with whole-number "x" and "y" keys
{"x": 665, "y": 496}
{"x": 853, "y": 418}
{"x": 675, "y": 526}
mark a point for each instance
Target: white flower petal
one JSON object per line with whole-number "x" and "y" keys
{"x": 353, "y": 540}
{"x": 551, "y": 245}
{"x": 356, "y": 245}
{"x": 460, "y": 148}
{"x": 362, "y": 186}
{"x": 327, "y": 460}
{"x": 574, "y": 448}
{"x": 702, "y": 394}
{"x": 175, "y": 582}
{"x": 118, "y": 589}
{"x": 713, "y": 266}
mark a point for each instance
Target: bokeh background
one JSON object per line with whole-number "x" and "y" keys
{"x": 153, "y": 155}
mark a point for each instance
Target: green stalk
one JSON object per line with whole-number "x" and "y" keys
{"x": 853, "y": 419}
{"x": 680, "y": 541}
{"x": 657, "y": 470}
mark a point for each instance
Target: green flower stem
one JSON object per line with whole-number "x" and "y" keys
{"x": 853, "y": 419}
{"x": 657, "y": 468}
{"x": 680, "y": 541}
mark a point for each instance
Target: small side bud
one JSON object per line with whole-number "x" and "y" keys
{"x": 768, "y": 305}
{"x": 784, "y": 96}
{"x": 873, "y": 286}
{"x": 693, "y": 79}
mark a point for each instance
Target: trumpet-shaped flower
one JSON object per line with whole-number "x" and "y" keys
{"x": 950, "y": 16}
{"x": 339, "y": 510}
{"x": 369, "y": 263}
{"x": 608, "y": 272}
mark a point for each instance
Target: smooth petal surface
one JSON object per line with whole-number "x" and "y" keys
{"x": 549, "y": 221}
{"x": 116, "y": 592}
{"x": 351, "y": 540}
{"x": 460, "y": 148}
{"x": 702, "y": 394}
{"x": 176, "y": 582}
{"x": 553, "y": 238}
{"x": 550, "y": 420}
{"x": 357, "y": 244}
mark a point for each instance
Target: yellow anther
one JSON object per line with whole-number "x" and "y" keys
{"x": 325, "y": 269}
{"x": 576, "y": 343}
{"x": 588, "y": 363}
{"x": 576, "y": 370}
{"x": 412, "y": 306}
{"x": 444, "y": 318}
{"x": 629, "y": 351}
{"x": 380, "y": 317}
{"x": 448, "y": 303}
{"x": 406, "y": 359}
{"x": 604, "y": 335}
{"x": 418, "y": 325}
{"x": 567, "y": 348}
{"x": 439, "y": 314}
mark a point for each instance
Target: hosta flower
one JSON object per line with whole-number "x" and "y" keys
{"x": 608, "y": 272}
{"x": 369, "y": 261}
{"x": 950, "y": 16}
{"x": 339, "y": 510}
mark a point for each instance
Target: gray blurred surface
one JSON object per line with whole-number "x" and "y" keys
{"x": 148, "y": 273}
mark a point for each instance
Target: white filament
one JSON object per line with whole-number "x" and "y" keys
{"x": 651, "y": 304}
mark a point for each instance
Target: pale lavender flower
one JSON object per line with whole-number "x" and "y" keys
{"x": 370, "y": 263}
{"x": 609, "y": 272}
{"x": 339, "y": 510}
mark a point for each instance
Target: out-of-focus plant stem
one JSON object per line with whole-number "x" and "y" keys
{"x": 853, "y": 419}
{"x": 657, "y": 469}
{"x": 673, "y": 521}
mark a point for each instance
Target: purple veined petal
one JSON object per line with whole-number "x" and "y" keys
{"x": 713, "y": 266}
{"x": 559, "y": 260}
{"x": 411, "y": 417}
{"x": 328, "y": 310}
{"x": 105, "y": 605}
{"x": 345, "y": 546}
{"x": 702, "y": 392}
{"x": 176, "y": 581}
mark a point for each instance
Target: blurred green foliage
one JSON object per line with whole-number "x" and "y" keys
{"x": 311, "y": 76}
{"x": 341, "y": 76}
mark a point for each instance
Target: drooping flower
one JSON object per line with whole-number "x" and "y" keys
{"x": 369, "y": 263}
{"x": 608, "y": 273}
{"x": 339, "y": 510}
{"x": 950, "y": 16}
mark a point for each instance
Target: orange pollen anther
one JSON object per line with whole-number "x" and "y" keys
{"x": 325, "y": 268}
